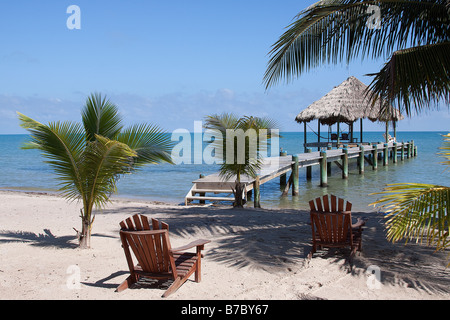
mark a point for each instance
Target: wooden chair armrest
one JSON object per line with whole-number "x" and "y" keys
{"x": 359, "y": 223}
{"x": 196, "y": 243}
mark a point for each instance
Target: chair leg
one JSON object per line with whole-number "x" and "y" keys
{"x": 126, "y": 284}
{"x": 198, "y": 276}
{"x": 173, "y": 287}
{"x": 310, "y": 254}
{"x": 350, "y": 258}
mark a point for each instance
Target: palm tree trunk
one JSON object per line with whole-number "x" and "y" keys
{"x": 84, "y": 237}
{"x": 238, "y": 191}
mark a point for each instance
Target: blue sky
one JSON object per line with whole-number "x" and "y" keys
{"x": 169, "y": 63}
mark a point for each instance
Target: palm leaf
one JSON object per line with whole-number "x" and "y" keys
{"x": 104, "y": 161}
{"x": 239, "y": 160}
{"x": 415, "y": 78}
{"x": 62, "y": 144}
{"x": 101, "y": 117}
{"x": 446, "y": 148}
{"x": 416, "y": 211}
{"x": 150, "y": 143}
{"x": 336, "y": 31}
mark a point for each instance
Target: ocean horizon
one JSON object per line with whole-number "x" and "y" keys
{"x": 25, "y": 170}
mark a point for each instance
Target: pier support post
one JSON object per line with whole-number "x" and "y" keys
{"x": 408, "y": 152}
{"x": 202, "y": 194}
{"x": 412, "y": 148}
{"x": 295, "y": 176}
{"x": 361, "y": 159}
{"x": 329, "y": 163}
{"x": 345, "y": 163}
{"x": 323, "y": 169}
{"x": 308, "y": 168}
{"x": 415, "y": 151}
{"x": 283, "y": 176}
{"x": 375, "y": 157}
{"x": 257, "y": 200}
{"x": 402, "y": 152}
{"x": 386, "y": 155}
{"x": 394, "y": 154}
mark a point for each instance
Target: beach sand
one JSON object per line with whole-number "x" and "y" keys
{"x": 253, "y": 254}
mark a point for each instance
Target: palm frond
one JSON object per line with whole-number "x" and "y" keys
{"x": 417, "y": 211}
{"x": 415, "y": 78}
{"x": 239, "y": 142}
{"x": 101, "y": 117}
{"x": 446, "y": 153}
{"x": 337, "y": 30}
{"x": 151, "y": 144}
{"x": 62, "y": 144}
{"x": 104, "y": 161}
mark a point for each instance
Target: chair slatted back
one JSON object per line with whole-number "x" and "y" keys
{"x": 330, "y": 204}
{"x": 149, "y": 243}
{"x": 331, "y": 220}
{"x": 332, "y": 228}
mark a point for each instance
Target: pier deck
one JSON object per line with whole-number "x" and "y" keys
{"x": 215, "y": 189}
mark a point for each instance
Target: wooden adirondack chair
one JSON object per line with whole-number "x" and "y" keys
{"x": 332, "y": 226}
{"x": 154, "y": 254}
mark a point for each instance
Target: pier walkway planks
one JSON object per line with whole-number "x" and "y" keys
{"x": 208, "y": 188}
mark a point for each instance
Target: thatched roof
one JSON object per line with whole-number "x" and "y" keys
{"x": 347, "y": 103}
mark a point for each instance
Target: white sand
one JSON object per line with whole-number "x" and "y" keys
{"x": 253, "y": 254}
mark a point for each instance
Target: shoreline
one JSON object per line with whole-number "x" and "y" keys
{"x": 254, "y": 254}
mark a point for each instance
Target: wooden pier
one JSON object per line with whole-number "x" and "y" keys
{"x": 213, "y": 188}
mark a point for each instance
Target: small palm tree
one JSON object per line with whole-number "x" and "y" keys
{"x": 88, "y": 158}
{"x": 416, "y": 211}
{"x": 238, "y": 160}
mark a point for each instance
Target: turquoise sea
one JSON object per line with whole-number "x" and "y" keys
{"x": 25, "y": 170}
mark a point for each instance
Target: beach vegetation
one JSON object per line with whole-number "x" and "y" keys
{"x": 89, "y": 157}
{"x": 417, "y": 211}
{"x": 242, "y": 142}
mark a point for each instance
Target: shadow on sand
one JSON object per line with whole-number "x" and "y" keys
{"x": 281, "y": 239}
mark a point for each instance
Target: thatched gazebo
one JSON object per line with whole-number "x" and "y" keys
{"x": 347, "y": 103}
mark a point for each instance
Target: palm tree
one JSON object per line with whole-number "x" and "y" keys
{"x": 416, "y": 211}
{"x": 414, "y": 34}
{"x": 238, "y": 159}
{"x": 89, "y": 158}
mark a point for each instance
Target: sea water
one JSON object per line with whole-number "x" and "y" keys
{"x": 25, "y": 170}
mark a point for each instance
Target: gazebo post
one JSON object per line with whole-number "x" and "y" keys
{"x": 318, "y": 135}
{"x": 361, "y": 130}
{"x": 338, "y": 138}
{"x": 351, "y": 132}
{"x": 304, "y": 138}
{"x": 387, "y": 132}
{"x": 394, "y": 124}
